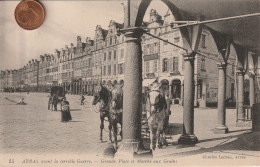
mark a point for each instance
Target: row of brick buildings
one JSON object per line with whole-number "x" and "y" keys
{"x": 78, "y": 68}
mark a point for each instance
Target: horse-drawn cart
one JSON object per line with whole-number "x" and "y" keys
{"x": 57, "y": 94}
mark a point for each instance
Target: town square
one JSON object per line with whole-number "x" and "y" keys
{"x": 141, "y": 81}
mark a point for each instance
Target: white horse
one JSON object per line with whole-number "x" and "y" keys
{"x": 157, "y": 116}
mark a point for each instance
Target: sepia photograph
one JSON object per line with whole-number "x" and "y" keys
{"x": 129, "y": 83}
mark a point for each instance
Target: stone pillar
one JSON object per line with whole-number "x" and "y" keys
{"x": 76, "y": 88}
{"x": 182, "y": 93}
{"x": 252, "y": 89}
{"x": 240, "y": 97}
{"x": 72, "y": 88}
{"x": 221, "y": 127}
{"x": 256, "y": 118}
{"x": 170, "y": 91}
{"x": 188, "y": 136}
{"x": 196, "y": 94}
{"x": 132, "y": 103}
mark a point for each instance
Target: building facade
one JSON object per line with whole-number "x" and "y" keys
{"x": 102, "y": 60}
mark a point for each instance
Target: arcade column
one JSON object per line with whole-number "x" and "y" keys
{"x": 252, "y": 89}
{"x": 170, "y": 91}
{"x": 182, "y": 92}
{"x": 240, "y": 97}
{"x": 221, "y": 127}
{"x": 188, "y": 136}
{"x": 131, "y": 142}
{"x": 196, "y": 94}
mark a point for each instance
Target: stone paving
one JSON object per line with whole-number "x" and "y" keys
{"x": 33, "y": 129}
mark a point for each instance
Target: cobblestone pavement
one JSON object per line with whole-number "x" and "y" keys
{"x": 33, "y": 129}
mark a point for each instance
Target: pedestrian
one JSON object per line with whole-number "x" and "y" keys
{"x": 65, "y": 111}
{"x": 82, "y": 99}
{"x": 55, "y": 102}
{"x": 50, "y": 106}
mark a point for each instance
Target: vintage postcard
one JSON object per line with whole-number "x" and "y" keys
{"x": 129, "y": 83}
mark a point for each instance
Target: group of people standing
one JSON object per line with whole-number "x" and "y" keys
{"x": 65, "y": 107}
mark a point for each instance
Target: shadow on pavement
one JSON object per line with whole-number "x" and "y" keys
{"x": 239, "y": 130}
{"x": 75, "y": 109}
{"x": 243, "y": 142}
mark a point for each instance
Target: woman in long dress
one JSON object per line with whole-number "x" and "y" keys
{"x": 65, "y": 111}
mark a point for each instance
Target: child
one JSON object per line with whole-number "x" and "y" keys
{"x": 82, "y": 99}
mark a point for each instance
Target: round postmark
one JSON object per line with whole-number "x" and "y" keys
{"x": 29, "y": 14}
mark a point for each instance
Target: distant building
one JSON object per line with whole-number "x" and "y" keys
{"x": 102, "y": 60}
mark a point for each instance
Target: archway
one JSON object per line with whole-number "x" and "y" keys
{"x": 104, "y": 82}
{"x": 121, "y": 82}
{"x": 165, "y": 86}
{"x": 176, "y": 89}
{"x": 132, "y": 102}
{"x": 115, "y": 82}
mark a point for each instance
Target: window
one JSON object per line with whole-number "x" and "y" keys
{"x": 122, "y": 53}
{"x": 105, "y": 56}
{"x": 115, "y": 40}
{"x": 203, "y": 40}
{"x": 114, "y": 69}
{"x": 175, "y": 63}
{"x": 110, "y": 41}
{"x": 120, "y": 69}
{"x": 199, "y": 89}
{"x": 176, "y": 40}
{"x": 165, "y": 65}
{"x": 104, "y": 70}
{"x": 148, "y": 49}
{"x": 203, "y": 63}
{"x": 165, "y": 44}
{"x": 114, "y": 54}
{"x": 109, "y": 56}
{"x": 151, "y": 49}
{"x": 154, "y": 65}
{"x": 233, "y": 68}
{"x": 156, "y": 47}
{"x": 147, "y": 67}
{"x": 109, "y": 70}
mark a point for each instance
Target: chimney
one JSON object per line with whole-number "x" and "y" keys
{"x": 42, "y": 58}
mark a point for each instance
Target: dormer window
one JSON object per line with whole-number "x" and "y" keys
{"x": 110, "y": 41}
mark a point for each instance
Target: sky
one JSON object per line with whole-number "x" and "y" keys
{"x": 65, "y": 20}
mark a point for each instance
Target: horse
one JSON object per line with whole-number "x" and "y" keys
{"x": 103, "y": 95}
{"x": 157, "y": 114}
{"x": 116, "y": 111}
{"x": 50, "y": 103}
{"x": 57, "y": 93}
